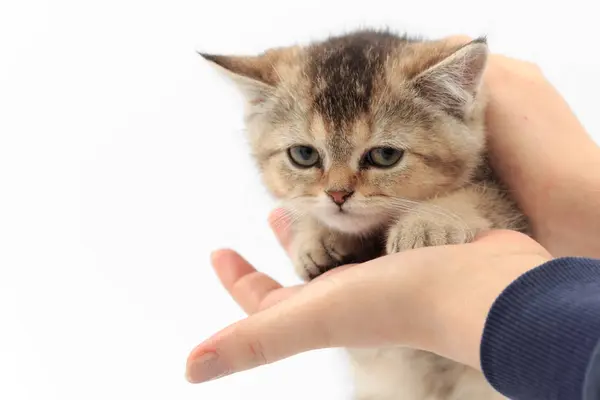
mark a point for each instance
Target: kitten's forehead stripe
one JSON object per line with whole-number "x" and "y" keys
{"x": 344, "y": 71}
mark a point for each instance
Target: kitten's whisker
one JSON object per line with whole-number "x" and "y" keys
{"x": 425, "y": 207}
{"x": 485, "y": 187}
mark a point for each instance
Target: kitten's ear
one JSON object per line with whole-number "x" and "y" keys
{"x": 254, "y": 76}
{"x": 453, "y": 82}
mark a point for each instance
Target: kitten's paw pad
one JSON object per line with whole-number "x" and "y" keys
{"x": 414, "y": 231}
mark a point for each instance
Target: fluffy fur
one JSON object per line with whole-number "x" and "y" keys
{"x": 343, "y": 97}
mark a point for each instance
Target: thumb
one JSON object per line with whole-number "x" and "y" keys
{"x": 293, "y": 326}
{"x": 337, "y": 311}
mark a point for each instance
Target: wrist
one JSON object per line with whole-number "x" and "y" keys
{"x": 458, "y": 301}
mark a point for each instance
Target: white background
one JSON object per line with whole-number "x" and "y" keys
{"x": 123, "y": 164}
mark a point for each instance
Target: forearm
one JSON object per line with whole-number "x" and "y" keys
{"x": 558, "y": 183}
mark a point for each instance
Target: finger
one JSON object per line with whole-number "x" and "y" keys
{"x": 459, "y": 39}
{"x": 316, "y": 317}
{"x": 280, "y": 223}
{"x": 278, "y": 295}
{"x": 492, "y": 235}
{"x": 515, "y": 241}
{"x": 248, "y": 287}
{"x": 509, "y": 238}
{"x": 282, "y": 330}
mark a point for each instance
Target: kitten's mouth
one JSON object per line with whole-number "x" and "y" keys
{"x": 344, "y": 213}
{"x": 352, "y": 221}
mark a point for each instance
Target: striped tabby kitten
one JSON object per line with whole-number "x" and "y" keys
{"x": 376, "y": 144}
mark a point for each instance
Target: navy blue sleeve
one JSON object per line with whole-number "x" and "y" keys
{"x": 541, "y": 336}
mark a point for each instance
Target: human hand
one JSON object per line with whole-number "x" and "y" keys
{"x": 434, "y": 299}
{"x": 543, "y": 153}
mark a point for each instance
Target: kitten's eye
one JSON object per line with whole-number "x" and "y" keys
{"x": 383, "y": 157}
{"x": 303, "y": 156}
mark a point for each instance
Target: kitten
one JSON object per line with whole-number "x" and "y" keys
{"x": 376, "y": 144}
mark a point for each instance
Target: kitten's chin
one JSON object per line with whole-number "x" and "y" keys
{"x": 352, "y": 223}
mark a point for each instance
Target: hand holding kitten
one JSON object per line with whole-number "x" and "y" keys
{"x": 415, "y": 298}
{"x": 404, "y": 290}
{"x": 378, "y": 144}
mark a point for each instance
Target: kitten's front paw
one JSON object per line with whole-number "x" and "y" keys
{"x": 316, "y": 252}
{"x": 415, "y": 230}
{"x": 313, "y": 255}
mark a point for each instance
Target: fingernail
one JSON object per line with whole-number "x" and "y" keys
{"x": 205, "y": 368}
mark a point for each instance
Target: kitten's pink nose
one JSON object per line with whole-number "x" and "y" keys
{"x": 339, "y": 196}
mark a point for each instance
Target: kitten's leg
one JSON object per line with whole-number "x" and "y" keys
{"x": 415, "y": 374}
{"x": 317, "y": 249}
{"x": 452, "y": 219}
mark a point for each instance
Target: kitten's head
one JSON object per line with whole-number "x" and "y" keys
{"x": 354, "y": 129}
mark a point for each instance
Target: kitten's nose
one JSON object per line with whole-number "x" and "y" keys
{"x": 339, "y": 196}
